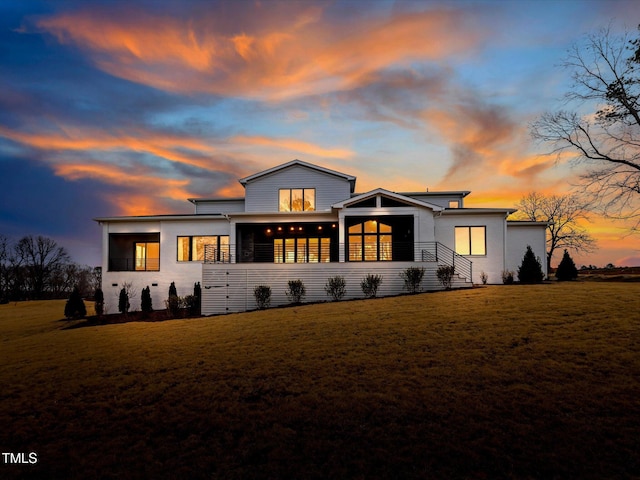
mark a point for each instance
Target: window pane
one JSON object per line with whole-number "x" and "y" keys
{"x": 183, "y": 249}
{"x": 371, "y": 226}
{"x": 153, "y": 256}
{"x": 278, "y": 252}
{"x": 355, "y": 248}
{"x": 285, "y": 200}
{"x": 198, "y": 246}
{"x": 296, "y": 200}
{"x": 385, "y": 247}
{"x": 325, "y": 246}
{"x": 370, "y": 248}
{"x": 301, "y": 251}
{"x": 356, "y": 228}
{"x": 313, "y": 250}
{"x": 224, "y": 248}
{"x": 289, "y": 250}
{"x": 478, "y": 246}
{"x": 385, "y": 228}
{"x": 141, "y": 256}
{"x": 462, "y": 240}
{"x": 454, "y": 204}
{"x": 309, "y": 199}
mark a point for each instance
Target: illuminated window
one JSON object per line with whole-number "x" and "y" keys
{"x": 147, "y": 256}
{"x": 297, "y": 200}
{"x": 192, "y": 248}
{"x": 471, "y": 240}
{"x": 301, "y": 250}
{"x": 370, "y": 241}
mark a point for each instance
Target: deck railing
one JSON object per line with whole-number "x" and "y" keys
{"x": 418, "y": 252}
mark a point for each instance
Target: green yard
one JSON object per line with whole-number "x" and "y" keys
{"x": 497, "y": 382}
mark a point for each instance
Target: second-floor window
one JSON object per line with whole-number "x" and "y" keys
{"x": 297, "y": 200}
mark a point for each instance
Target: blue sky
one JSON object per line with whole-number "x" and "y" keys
{"x": 128, "y": 108}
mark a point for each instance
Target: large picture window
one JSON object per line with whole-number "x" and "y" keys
{"x": 191, "y": 248}
{"x": 297, "y": 200}
{"x": 370, "y": 241}
{"x": 471, "y": 240}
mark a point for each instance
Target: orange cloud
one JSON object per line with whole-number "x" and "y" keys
{"x": 298, "y": 146}
{"x": 285, "y": 57}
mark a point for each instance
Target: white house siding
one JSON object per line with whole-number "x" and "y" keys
{"x": 262, "y": 193}
{"x": 493, "y": 263}
{"x": 219, "y": 206}
{"x": 184, "y": 274}
{"x": 229, "y": 287}
{"x": 521, "y": 234}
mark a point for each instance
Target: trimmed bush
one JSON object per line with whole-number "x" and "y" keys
{"x": 445, "y": 275}
{"x": 174, "y": 305}
{"x": 123, "y": 301}
{"x": 370, "y": 285}
{"x": 507, "y": 277}
{"x": 191, "y": 303}
{"x": 484, "y": 278}
{"x": 172, "y": 290}
{"x": 566, "y": 269}
{"x": 296, "y": 291}
{"x": 336, "y": 287}
{"x": 146, "y": 304}
{"x": 412, "y": 277}
{"x": 74, "y": 308}
{"x": 98, "y": 301}
{"x": 262, "y": 294}
{"x": 530, "y": 270}
{"x": 197, "y": 292}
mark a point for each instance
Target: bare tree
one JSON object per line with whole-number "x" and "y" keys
{"x": 41, "y": 256}
{"x": 563, "y": 212}
{"x": 601, "y": 130}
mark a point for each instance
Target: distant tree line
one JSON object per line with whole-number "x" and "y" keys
{"x": 36, "y": 267}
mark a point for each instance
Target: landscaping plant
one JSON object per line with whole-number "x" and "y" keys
{"x": 412, "y": 277}
{"x": 370, "y": 285}
{"x": 123, "y": 301}
{"x": 262, "y": 294}
{"x": 146, "y": 304}
{"x": 98, "y": 300}
{"x": 296, "y": 291}
{"x": 567, "y": 269}
{"x": 530, "y": 270}
{"x": 336, "y": 287}
{"x": 74, "y": 307}
{"x": 445, "y": 275}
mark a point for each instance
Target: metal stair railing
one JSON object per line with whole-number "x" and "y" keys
{"x": 441, "y": 254}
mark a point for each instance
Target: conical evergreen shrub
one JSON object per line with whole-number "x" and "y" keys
{"x": 146, "y": 305}
{"x": 567, "y": 269}
{"x": 75, "y": 308}
{"x": 530, "y": 270}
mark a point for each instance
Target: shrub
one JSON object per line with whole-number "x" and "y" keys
{"x": 412, "y": 277}
{"x": 530, "y": 270}
{"x": 484, "y": 278}
{"x": 296, "y": 291}
{"x": 262, "y": 294}
{"x": 174, "y": 305}
{"x": 146, "y": 305}
{"x": 370, "y": 285}
{"x": 123, "y": 301}
{"x": 197, "y": 292}
{"x": 74, "y": 308}
{"x": 336, "y": 287}
{"x": 172, "y": 290}
{"x": 191, "y": 303}
{"x": 566, "y": 269}
{"x": 445, "y": 275}
{"x": 98, "y": 299}
{"x": 507, "y": 277}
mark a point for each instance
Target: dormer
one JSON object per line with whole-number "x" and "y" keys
{"x": 296, "y": 187}
{"x": 445, "y": 199}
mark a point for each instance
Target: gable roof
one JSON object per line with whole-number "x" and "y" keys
{"x": 389, "y": 194}
{"x": 350, "y": 178}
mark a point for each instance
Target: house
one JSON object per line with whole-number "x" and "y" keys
{"x": 304, "y": 221}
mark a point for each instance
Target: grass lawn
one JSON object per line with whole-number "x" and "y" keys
{"x": 498, "y": 382}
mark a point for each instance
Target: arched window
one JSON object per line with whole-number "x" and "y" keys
{"x": 369, "y": 241}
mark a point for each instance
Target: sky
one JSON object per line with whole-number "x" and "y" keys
{"x": 112, "y": 108}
